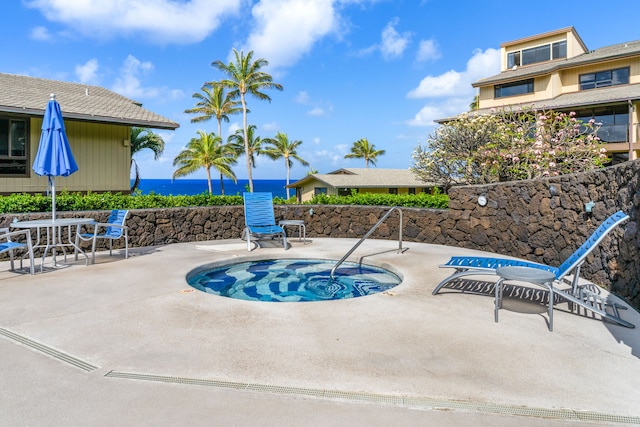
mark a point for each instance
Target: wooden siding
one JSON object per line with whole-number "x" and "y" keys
{"x": 571, "y": 78}
{"x": 103, "y": 160}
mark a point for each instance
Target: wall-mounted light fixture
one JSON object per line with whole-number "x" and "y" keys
{"x": 482, "y": 200}
{"x": 588, "y": 207}
{"x": 126, "y": 142}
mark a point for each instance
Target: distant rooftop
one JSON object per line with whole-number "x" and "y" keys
{"x": 29, "y": 95}
{"x": 366, "y": 178}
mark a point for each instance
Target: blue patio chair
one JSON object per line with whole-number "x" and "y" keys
{"x": 482, "y": 266}
{"x": 9, "y": 245}
{"x": 259, "y": 218}
{"x": 114, "y": 229}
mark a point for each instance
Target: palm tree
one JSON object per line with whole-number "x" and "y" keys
{"x": 206, "y": 151}
{"x": 254, "y": 147}
{"x": 213, "y": 101}
{"x": 475, "y": 104}
{"x": 143, "y": 138}
{"x": 280, "y": 146}
{"x": 245, "y": 77}
{"x": 361, "y": 149}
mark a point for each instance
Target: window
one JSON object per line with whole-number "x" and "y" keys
{"x": 536, "y": 54}
{"x": 344, "y": 191}
{"x": 614, "y": 122}
{"x": 393, "y": 191}
{"x": 513, "y": 59}
{"x": 511, "y": 89}
{"x": 619, "y": 76}
{"x": 13, "y": 146}
{"x": 412, "y": 190}
{"x": 559, "y": 49}
{"x": 319, "y": 190}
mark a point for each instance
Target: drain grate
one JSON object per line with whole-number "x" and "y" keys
{"x": 413, "y": 401}
{"x": 48, "y": 350}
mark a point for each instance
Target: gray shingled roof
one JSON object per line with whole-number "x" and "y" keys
{"x": 606, "y": 95}
{"x": 607, "y": 53}
{"x": 366, "y": 178}
{"x": 29, "y": 95}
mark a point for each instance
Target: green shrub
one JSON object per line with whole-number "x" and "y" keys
{"x": 422, "y": 200}
{"x": 66, "y": 201}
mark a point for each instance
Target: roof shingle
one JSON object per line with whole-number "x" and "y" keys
{"x": 29, "y": 95}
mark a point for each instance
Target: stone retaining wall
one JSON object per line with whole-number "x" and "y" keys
{"x": 539, "y": 220}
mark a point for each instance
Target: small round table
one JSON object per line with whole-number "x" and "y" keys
{"x": 525, "y": 274}
{"x": 302, "y": 230}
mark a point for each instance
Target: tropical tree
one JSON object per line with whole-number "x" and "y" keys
{"x": 212, "y": 102}
{"x": 254, "y": 147}
{"x": 206, "y": 151}
{"x": 244, "y": 77}
{"x": 362, "y": 149}
{"x": 281, "y": 147}
{"x": 144, "y": 138}
{"x": 508, "y": 145}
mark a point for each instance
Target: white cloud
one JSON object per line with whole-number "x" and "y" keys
{"x": 458, "y": 83}
{"x": 287, "y": 29}
{"x": 129, "y": 83}
{"x": 87, "y": 73}
{"x": 162, "y": 21}
{"x": 316, "y": 112}
{"x": 393, "y": 44}
{"x": 302, "y": 98}
{"x": 428, "y": 50}
{"x": 450, "y": 93}
{"x": 40, "y": 33}
{"x": 439, "y": 110}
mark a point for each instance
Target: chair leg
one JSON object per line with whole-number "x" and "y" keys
{"x": 11, "y": 258}
{"x": 126, "y": 245}
{"x": 498, "y": 297}
{"x": 93, "y": 250}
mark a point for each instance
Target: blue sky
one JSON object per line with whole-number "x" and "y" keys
{"x": 376, "y": 69}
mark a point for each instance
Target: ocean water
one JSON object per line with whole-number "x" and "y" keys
{"x": 189, "y": 187}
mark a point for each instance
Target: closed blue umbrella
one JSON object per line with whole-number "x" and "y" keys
{"x": 54, "y": 156}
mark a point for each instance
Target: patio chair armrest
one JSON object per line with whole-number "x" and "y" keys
{"x": 97, "y": 225}
{"x": 6, "y": 234}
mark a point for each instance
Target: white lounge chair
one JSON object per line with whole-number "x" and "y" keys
{"x": 482, "y": 266}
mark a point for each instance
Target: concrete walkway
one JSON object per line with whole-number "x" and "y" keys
{"x": 128, "y": 342}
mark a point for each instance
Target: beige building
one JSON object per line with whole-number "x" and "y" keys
{"x": 98, "y": 124}
{"x": 556, "y": 70}
{"x": 343, "y": 181}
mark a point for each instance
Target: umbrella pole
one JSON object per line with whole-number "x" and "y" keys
{"x": 52, "y": 183}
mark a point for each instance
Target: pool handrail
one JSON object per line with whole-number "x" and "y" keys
{"x": 377, "y": 224}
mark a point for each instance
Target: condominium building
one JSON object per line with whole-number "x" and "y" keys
{"x": 556, "y": 71}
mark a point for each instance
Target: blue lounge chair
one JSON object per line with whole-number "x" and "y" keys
{"x": 479, "y": 266}
{"x": 9, "y": 245}
{"x": 259, "y": 218}
{"x": 114, "y": 229}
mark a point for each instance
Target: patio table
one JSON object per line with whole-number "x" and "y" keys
{"x": 525, "y": 274}
{"x": 53, "y": 237}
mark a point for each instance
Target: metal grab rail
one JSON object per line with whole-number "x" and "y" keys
{"x": 333, "y": 270}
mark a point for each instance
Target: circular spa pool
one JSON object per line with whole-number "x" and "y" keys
{"x": 292, "y": 280}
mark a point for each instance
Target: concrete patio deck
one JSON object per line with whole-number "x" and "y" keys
{"x": 129, "y": 342}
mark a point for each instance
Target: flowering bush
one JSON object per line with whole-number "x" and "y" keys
{"x": 509, "y": 145}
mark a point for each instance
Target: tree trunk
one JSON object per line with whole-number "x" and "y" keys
{"x": 246, "y": 143}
